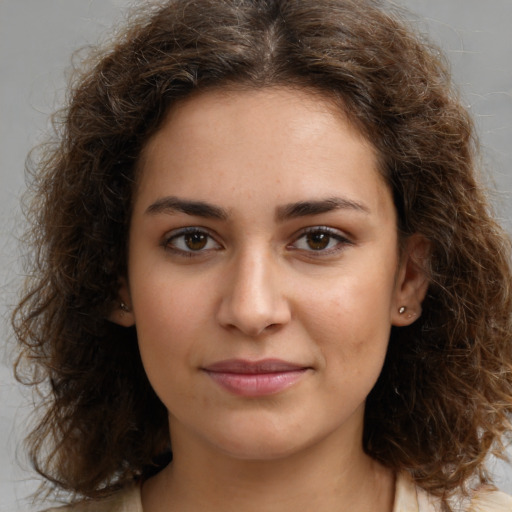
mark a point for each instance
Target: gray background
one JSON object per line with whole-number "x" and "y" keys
{"x": 37, "y": 38}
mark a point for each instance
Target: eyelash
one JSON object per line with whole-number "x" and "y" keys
{"x": 330, "y": 234}
{"x": 182, "y": 233}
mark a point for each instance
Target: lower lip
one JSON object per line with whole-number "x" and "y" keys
{"x": 260, "y": 384}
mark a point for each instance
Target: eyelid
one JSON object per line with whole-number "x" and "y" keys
{"x": 179, "y": 232}
{"x": 343, "y": 239}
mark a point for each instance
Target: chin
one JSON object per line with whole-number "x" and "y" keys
{"x": 262, "y": 441}
{"x": 261, "y": 449}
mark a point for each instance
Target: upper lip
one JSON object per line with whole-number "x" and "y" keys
{"x": 253, "y": 367}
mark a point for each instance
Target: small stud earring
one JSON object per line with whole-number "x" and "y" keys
{"x": 124, "y": 307}
{"x": 401, "y": 310}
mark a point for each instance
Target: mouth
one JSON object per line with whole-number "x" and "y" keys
{"x": 255, "y": 378}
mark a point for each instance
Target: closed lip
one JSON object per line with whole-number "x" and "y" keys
{"x": 243, "y": 366}
{"x": 255, "y": 378}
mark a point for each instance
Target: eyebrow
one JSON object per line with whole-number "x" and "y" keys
{"x": 173, "y": 204}
{"x": 306, "y": 208}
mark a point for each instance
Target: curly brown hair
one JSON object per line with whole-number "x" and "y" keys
{"x": 444, "y": 398}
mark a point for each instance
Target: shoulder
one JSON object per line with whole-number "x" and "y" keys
{"x": 490, "y": 500}
{"x": 125, "y": 500}
{"x": 411, "y": 498}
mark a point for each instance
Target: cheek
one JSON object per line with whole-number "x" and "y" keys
{"x": 168, "y": 317}
{"x": 350, "y": 323}
{"x": 352, "y": 304}
{"x": 164, "y": 304}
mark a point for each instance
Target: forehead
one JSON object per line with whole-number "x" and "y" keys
{"x": 298, "y": 111}
{"x": 275, "y": 141}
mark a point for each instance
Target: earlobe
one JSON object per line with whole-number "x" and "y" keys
{"x": 412, "y": 282}
{"x": 122, "y": 313}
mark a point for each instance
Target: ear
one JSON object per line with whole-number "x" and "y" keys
{"x": 412, "y": 281}
{"x": 122, "y": 313}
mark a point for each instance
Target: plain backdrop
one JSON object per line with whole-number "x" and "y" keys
{"x": 37, "y": 38}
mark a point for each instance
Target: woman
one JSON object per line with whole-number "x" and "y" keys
{"x": 263, "y": 253}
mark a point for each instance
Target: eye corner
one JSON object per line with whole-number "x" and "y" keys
{"x": 190, "y": 241}
{"x": 319, "y": 241}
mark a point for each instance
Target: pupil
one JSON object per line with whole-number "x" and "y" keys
{"x": 195, "y": 241}
{"x": 318, "y": 241}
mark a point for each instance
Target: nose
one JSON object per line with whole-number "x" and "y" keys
{"x": 253, "y": 301}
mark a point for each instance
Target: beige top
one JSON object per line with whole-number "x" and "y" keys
{"x": 408, "y": 498}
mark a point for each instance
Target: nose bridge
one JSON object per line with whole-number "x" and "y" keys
{"x": 253, "y": 299}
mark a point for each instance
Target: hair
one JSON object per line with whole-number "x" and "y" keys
{"x": 444, "y": 398}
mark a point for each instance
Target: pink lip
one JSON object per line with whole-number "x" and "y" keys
{"x": 255, "y": 378}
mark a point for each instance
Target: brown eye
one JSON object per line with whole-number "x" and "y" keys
{"x": 195, "y": 241}
{"x": 321, "y": 239}
{"x": 317, "y": 241}
{"x": 190, "y": 240}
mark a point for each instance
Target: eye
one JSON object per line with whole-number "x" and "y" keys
{"x": 321, "y": 239}
{"x": 190, "y": 240}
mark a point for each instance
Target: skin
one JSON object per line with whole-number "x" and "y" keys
{"x": 259, "y": 278}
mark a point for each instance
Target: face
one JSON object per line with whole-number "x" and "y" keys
{"x": 263, "y": 273}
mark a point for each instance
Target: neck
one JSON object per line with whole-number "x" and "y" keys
{"x": 320, "y": 478}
